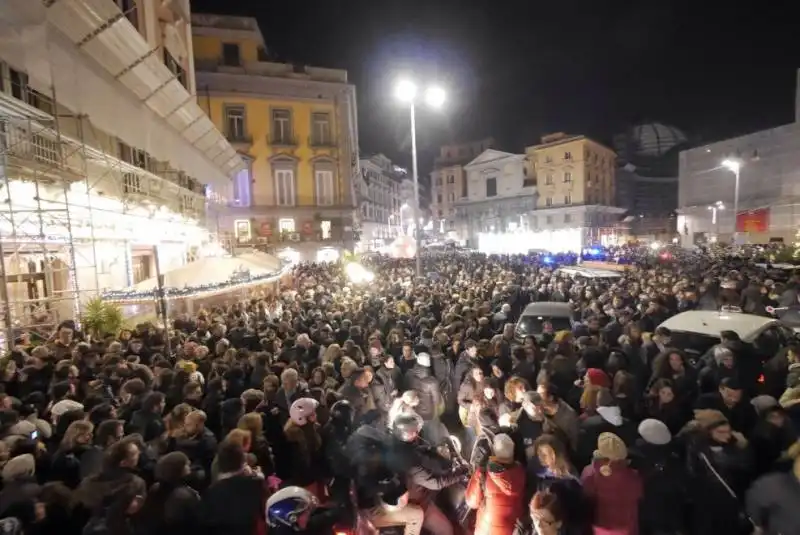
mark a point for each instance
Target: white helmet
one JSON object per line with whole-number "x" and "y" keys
{"x": 302, "y": 409}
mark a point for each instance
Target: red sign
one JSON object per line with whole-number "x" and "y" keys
{"x": 265, "y": 229}
{"x": 308, "y": 228}
{"x": 753, "y": 221}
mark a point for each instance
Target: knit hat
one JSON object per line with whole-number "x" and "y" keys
{"x": 65, "y": 405}
{"x": 424, "y": 359}
{"x": 597, "y": 377}
{"x": 763, "y": 404}
{"x": 655, "y": 432}
{"x": 503, "y": 447}
{"x": 19, "y": 466}
{"x": 610, "y": 448}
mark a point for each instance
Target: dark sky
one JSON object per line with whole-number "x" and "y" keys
{"x": 518, "y": 69}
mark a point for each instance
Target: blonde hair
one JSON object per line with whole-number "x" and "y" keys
{"x": 242, "y": 437}
{"x": 251, "y": 422}
{"x": 75, "y": 429}
{"x": 332, "y": 352}
{"x": 348, "y": 367}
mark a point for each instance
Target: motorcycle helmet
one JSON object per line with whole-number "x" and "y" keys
{"x": 407, "y": 426}
{"x": 303, "y": 410}
{"x": 290, "y": 508}
{"x": 341, "y": 415}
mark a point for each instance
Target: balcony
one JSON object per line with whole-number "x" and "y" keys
{"x": 300, "y": 207}
{"x": 317, "y": 142}
{"x": 284, "y": 141}
{"x": 239, "y": 140}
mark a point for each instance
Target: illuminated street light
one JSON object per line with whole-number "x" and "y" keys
{"x": 736, "y": 167}
{"x": 406, "y": 91}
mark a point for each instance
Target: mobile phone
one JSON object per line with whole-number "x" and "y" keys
{"x": 34, "y": 435}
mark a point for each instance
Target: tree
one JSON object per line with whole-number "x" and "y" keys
{"x": 101, "y": 318}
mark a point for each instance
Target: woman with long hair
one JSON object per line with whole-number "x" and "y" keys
{"x": 77, "y": 442}
{"x": 557, "y": 475}
{"x": 259, "y": 446}
{"x": 663, "y": 405}
{"x": 467, "y": 391}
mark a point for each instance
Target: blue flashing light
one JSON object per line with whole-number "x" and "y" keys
{"x": 595, "y": 251}
{"x": 547, "y": 260}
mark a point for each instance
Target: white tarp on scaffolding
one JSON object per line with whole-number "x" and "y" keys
{"x": 209, "y": 270}
{"x": 54, "y": 63}
{"x": 272, "y": 263}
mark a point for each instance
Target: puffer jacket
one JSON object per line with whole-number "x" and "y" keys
{"x": 497, "y": 493}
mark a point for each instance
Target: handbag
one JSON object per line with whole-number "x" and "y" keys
{"x": 746, "y": 522}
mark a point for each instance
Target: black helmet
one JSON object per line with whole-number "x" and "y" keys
{"x": 341, "y": 415}
{"x": 407, "y": 426}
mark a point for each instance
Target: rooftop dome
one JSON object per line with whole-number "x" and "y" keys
{"x": 654, "y": 139}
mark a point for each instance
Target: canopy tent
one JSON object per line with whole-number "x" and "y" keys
{"x": 208, "y": 271}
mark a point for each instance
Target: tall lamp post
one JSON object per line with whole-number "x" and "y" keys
{"x": 736, "y": 167}
{"x": 434, "y": 97}
{"x": 716, "y": 207}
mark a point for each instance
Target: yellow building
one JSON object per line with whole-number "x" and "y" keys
{"x": 297, "y": 127}
{"x": 449, "y": 180}
{"x": 575, "y": 176}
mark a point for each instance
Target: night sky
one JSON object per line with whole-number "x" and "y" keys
{"x": 515, "y": 70}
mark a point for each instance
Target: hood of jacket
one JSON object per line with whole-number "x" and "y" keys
{"x": 612, "y": 415}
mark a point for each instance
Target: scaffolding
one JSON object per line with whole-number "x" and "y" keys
{"x": 61, "y": 198}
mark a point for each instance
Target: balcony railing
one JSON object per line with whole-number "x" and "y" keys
{"x": 288, "y": 140}
{"x": 321, "y": 142}
{"x": 240, "y": 138}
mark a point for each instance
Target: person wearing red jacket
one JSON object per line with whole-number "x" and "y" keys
{"x": 497, "y": 489}
{"x": 612, "y": 488}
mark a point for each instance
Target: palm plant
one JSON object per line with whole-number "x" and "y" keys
{"x": 101, "y": 318}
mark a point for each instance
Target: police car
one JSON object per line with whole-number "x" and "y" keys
{"x": 697, "y": 331}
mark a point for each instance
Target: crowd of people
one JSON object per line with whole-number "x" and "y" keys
{"x": 413, "y": 404}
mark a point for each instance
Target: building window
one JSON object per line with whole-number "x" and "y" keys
{"x": 549, "y": 220}
{"x": 286, "y": 225}
{"x": 176, "y": 69}
{"x": 451, "y": 179}
{"x": 548, "y": 181}
{"x": 284, "y": 187}
{"x": 230, "y": 55}
{"x": 464, "y": 187}
{"x": 567, "y": 218}
{"x": 128, "y": 8}
{"x": 548, "y": 202}
{"x": 234, "y": 123}
{"x": 281, "y": 126}
{"x": 567, "y": 155}
{"x": 451, "y": 197}
{"x": 491, "y": 187}
{"x": 243, "y": 187}
{"x": 567, "y": 199}
{"x": 528, "y": 182}
{"x": 567, "y": 177}
{"x": 320, "y": 129}
{"x": 323, "y": 179}
{"x": 439, "y": 199}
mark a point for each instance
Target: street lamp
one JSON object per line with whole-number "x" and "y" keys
{"x": 716, "y": 207}
{"x": 735, "y": 166}
{"x": 434, "y": 96}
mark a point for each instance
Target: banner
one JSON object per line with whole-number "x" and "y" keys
{"x": 753, "y": 221}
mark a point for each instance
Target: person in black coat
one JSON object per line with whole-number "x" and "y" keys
{"x": 663, "y": 506}
{"x": 607, "y": 420}
{"x": 729, "y": 400}
{"x": 234, "y": 505}
{"x": 172, "y": 507}
{"x": 148, "y": 421}
{"x": 421, "y": 379}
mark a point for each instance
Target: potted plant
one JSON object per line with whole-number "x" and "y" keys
{"x": 101, "y": 318}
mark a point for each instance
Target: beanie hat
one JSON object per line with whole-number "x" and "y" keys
{"x": 763, "y": 404}
{"x": 503, "y": 447}
{"x": 424, "y": 359}
{"x": 610, "y": 448}
{"x": 597, "y": 377}
{"x": 655, "y": 432}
